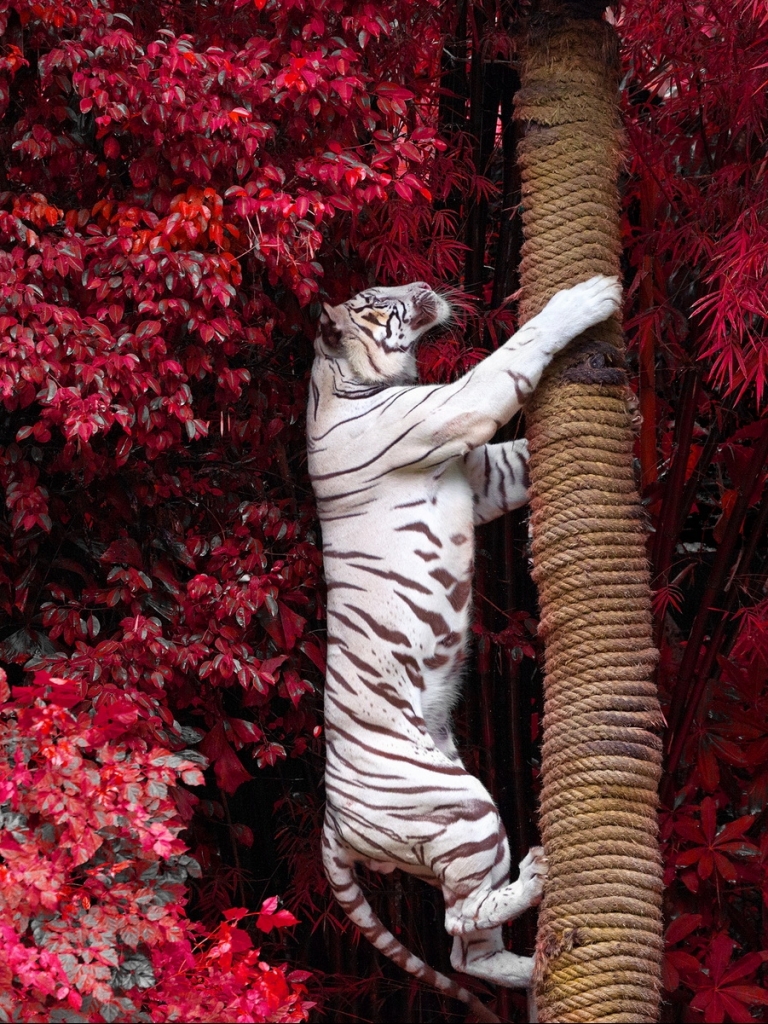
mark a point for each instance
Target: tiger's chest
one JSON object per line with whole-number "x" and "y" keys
{"x": 415, "y": 525}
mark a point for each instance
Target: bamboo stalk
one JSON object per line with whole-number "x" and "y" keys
{"x": 683, "y": 707}
{"x": 691, "y": 488}
{"x": 647, "y": 385}
{"x": 505, "y": 280}
{"x": 670, "y": 518}
{"x": 717, "y": 578}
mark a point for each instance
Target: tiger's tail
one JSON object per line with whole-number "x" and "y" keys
{"x": 340, "y": 870}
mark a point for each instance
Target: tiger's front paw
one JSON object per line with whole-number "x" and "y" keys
{"x": 520, "y": 448}
{"x": 576, "y": 309}
{"x": 595, "y": 300}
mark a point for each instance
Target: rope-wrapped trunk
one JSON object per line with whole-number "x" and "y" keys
{"x": 600, "y": 932}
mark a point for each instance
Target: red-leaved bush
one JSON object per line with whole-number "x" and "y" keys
{"x": 92, "y": 880}
{"x": 177, "y": 185}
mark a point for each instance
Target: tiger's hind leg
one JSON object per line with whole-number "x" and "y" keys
{"x": 475, "y": 920}
{"x": 492, "y": 904}
{"x": 482, "y": 954}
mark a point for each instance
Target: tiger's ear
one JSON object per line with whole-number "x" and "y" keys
{"x": 331, "y": 334}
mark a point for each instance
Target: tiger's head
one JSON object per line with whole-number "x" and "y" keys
{"x": 377, "y": 331}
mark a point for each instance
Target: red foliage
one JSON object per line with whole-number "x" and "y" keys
{"x": 695, "y": 116}
{"x": 696, "y": 120}
{"x": 180, "y": 186}
{"x": 92, "y": 897}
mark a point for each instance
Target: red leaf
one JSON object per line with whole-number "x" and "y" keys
{"x": 688, "y": 857}
{"x": 725, "y": 868}
{"x": 271, "y": 665}
{"x": 689, "y": 830}
{"x": 749, "y": 994}
{"x": 720, "y": 951}
{"x": 706, "y": 864}
{"x": 746, "y": 965}
{"x": 243, "y": 834}
{"x": 315, "y": 654}
{"x": 737, "y": 1011}
{"x": 269, "y": 917}
{"x": 709, "y": 1002}
{"x": 235, "y": 913}
{"x": 670, "y": 978}
{"x": 269, "y": 905}
{"x": 684, "y": 961}
{"x": 681, "y": 927}
{"x": 124, "y": 551}
{"x": 245, "y": 731}
{"x": 735, "y": 829}
{"x": 293, "y": 624}
{"x": 708, "y": 818}
{"x": 239, "y": 940}
{"x": 229, "y": 772}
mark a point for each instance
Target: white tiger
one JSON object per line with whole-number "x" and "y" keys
{"x": 401, "y": 473}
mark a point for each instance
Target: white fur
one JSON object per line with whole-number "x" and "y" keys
{"x": 402, "y": 472}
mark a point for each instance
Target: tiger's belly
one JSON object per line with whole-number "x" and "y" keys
{"x": 399, "y": 578}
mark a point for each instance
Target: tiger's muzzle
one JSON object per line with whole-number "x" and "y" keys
{"x": 430, "y": 310}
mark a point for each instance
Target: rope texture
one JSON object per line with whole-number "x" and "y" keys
{"x": 599, "y": 945}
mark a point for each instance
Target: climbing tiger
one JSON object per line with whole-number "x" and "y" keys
{"x": 402, "y": 473}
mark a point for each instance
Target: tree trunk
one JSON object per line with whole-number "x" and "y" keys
{"x": 599, "y": 944}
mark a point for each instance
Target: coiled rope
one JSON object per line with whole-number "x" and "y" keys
{"x": 599, "y": 944}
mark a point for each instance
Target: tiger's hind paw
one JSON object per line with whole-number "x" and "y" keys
{"x": 533, "y": 871}
{"x": 500, "y": 967}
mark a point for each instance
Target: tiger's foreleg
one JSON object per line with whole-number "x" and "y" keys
{"x": 498, "y": 476}
{"x": 466, "y": 414}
